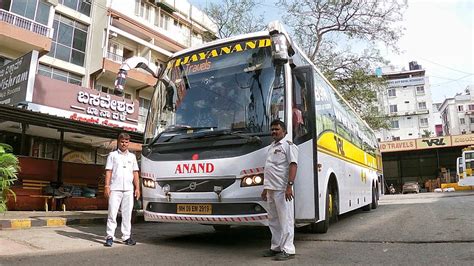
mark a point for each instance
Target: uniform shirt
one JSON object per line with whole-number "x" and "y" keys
{"x": 122, "y": 164}
{"x": 280, "y": 155}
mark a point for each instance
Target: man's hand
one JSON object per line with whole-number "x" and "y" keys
{"x": 106, "y": 192}
{"x": 289, "y": 193}
{"x": 137, "y": 193}
{"x": 264, "y": 195}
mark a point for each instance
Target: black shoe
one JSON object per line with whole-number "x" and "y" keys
{"x": 270, "y": 253}
{"x": 109, "y": 241}
{"x": 130, "y": 242}
{"x": 284, "y": 256}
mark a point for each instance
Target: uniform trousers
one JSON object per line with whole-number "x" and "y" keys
{"x": 124, "y": 201}
{"x": 281, "y": 221}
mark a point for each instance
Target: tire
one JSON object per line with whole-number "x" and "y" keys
{"x": 375, "y": 200}
{"x": 331, "y": 213}
{"x": 221, "y": 228}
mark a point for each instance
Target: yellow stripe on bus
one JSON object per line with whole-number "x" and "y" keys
{"x": 335, "y": 145}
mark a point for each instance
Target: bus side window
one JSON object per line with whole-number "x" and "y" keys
{"x": 300, "y": 107}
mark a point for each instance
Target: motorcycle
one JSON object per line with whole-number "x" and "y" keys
{"x": 391, "y": 189}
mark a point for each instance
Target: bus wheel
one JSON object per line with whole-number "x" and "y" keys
{"x": 375, "y": 198}
{"x": 221, "y": 228}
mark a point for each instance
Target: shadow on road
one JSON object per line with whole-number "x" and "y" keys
{"x": 86, "y": 235}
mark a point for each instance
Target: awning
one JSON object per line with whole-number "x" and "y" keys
{"x": 10, "y": 113}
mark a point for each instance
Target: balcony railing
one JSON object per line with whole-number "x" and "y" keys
{"x": 24, "y": 23}
{"x": 115, "y": 57}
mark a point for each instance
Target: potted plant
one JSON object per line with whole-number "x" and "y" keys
{"x": 9, "y": 167}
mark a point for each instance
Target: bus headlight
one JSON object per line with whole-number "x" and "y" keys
{"x": 252, "y": 180}
{"x": 149, "y": 183}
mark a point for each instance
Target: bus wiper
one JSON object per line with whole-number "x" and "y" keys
{"x": 225, "y": 132}
{"x": 177, "y": 129}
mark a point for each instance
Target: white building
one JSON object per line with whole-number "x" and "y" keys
{"x": 457, "y": 113}
{"x": 407, "y": 101}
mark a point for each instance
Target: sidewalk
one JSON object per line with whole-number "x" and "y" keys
{"x": 29, "y": 219}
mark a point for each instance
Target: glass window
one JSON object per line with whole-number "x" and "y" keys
{"x": 394, "y": 124}
{"x": 144, "y": 105}
{"x": 460, "y": 108}
{"x": 422, "y": 105}
{"x": 42, "y": 13}
{"x": 471, "y": 107}
{"x": 241, "y": 91}
{"x": 462, "y": 121}
{"x": 471, "y": 120}
{"x": 82, "y": 6}
{"x": 420, "y": 90}
{"x": 392, "y": 93}
{"x": 65, "y": 34}
{"x": 393, "y": 108}
{"x": 423, "y": 122}
{"x": 69, "y": 40}
{"x": 58, "y": 74}
{"x": 31, "y": 9}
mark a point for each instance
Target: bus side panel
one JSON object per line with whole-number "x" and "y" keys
{"x": 354, "y": 183}
{"x": 304, "y": 184}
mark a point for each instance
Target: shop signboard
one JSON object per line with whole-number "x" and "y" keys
{"x": 83, "y": 104}
{"x": 427, "y": 143}
{"x": 17, "y": 79}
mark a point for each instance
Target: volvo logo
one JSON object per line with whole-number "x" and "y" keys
{"x": 192, "y": 186}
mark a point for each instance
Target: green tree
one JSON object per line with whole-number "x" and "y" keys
{"x": 341, "y": 37}
{"x": 9, "y": 167}
{"x": 234, "y": 17}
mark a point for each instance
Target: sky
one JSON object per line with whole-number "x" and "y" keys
{"x": 439, "y": 35}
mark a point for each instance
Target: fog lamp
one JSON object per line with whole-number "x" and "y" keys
{"x": 149, "y": 183}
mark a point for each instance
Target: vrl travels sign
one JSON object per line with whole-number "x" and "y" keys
{"x": 427, "y": 143}
{"x": 17, "y": 79}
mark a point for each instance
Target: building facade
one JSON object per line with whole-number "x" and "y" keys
{"x": 81, "y": 45}
{"x": 408, "y": 104}
{"x": 457, "y": 113}
{"x": 61, "y": 57}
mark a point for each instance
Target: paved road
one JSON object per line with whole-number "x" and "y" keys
{"x": 406, "y": 229}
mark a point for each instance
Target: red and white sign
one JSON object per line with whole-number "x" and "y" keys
{"x": 194, "y": 168}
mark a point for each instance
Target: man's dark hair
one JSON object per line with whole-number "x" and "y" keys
{"x": 123, "y": 136}
{"x": 278, "y": 122}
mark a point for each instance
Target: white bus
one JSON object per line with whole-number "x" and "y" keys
{"x": 465, "y": 167}
{"x": 208, "y": 132}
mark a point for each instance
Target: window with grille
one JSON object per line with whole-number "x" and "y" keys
{"x": 393, "y": 108}
{"x": 422, "y": 106}
{"x": 392, "y": 93}
{"x": 394, "y": 124}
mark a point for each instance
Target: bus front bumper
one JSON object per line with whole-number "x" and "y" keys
{"x": 253, "y": 219}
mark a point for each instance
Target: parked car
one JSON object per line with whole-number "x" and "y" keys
{"x": 412, "y": 186}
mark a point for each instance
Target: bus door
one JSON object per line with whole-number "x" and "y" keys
{"x": 303, "y": 127}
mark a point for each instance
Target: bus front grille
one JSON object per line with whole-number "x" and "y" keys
{"x": 196, "y": 185}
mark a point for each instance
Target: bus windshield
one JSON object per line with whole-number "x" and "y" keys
{"x": 234, "y": 87}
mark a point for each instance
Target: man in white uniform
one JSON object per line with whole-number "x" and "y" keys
{"x": 121, "y": 184}
{"x": 279, "y": 177}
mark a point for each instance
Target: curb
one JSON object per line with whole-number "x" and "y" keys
{"x": 27, "y": 223}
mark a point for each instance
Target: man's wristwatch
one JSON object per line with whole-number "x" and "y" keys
{"x": 290, "y": 183}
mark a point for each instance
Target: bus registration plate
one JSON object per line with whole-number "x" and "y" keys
{"x": 194, "y": 208}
